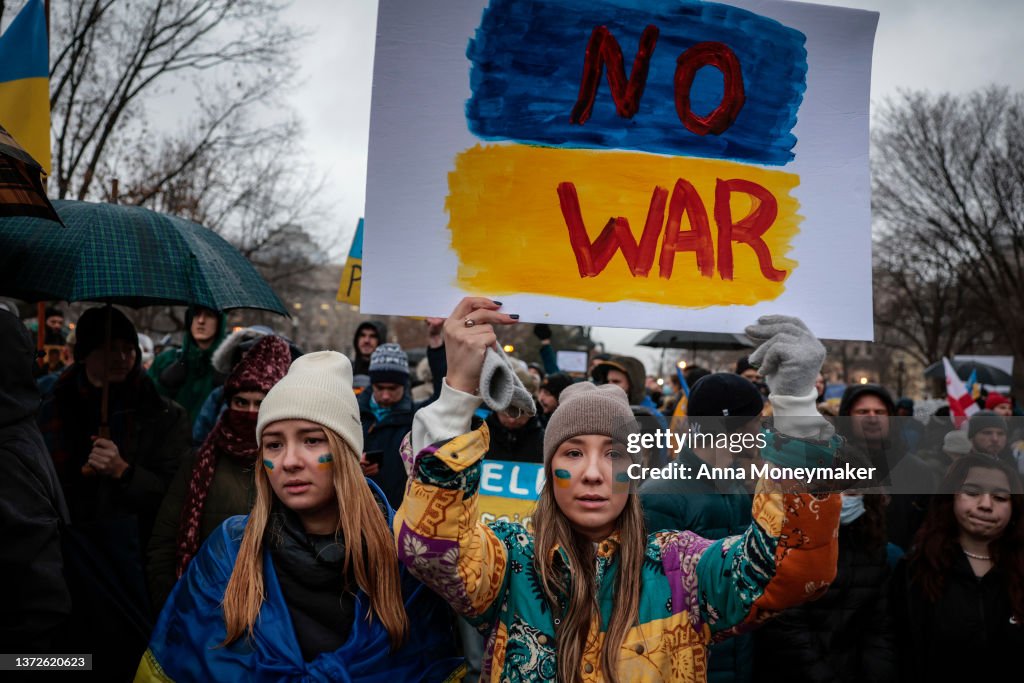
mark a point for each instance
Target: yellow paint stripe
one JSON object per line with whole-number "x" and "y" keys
{"x": 510, "y": 235}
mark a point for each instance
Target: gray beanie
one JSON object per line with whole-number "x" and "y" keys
{"x": 585, "y": 408}
{"x": 318, "y": 388}
{"x": 984, "y": 419}
{"x": 389, "y": 365}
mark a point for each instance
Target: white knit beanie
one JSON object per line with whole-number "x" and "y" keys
{"x": 318, "y": 388}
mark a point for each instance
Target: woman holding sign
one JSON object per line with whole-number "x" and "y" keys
{"x": 307, "y": 586}
{"x": 591, "y": 596}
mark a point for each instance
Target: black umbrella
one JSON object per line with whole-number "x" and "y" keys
{"x": 705, "y": 341}
{"x": 987, "y": 374}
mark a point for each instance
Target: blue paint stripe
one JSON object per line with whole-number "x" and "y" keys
{"x": 356, "y": 251}
{"x": 23, "y": 46}
{"x": 527, "y": 61}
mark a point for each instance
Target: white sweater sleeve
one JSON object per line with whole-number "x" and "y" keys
{"x": 798, "y": 416}
{"x": 447, "y": 417}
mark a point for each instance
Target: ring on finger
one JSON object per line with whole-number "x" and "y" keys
{"x": 469, "y": 322}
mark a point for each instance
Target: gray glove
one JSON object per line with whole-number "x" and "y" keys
{"x": 500, "y": 388}
{"x": 789, "y": 356}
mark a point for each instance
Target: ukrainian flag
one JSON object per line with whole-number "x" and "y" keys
{"x": 25, "y": 82}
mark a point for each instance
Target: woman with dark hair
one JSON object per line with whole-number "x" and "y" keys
{"x": 590, "y": 595}
{"x": 958, "y": 597}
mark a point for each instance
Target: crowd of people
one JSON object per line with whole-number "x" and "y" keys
{"x": 236, "y": 509}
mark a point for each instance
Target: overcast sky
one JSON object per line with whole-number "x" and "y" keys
{"x": 951, "y": 45}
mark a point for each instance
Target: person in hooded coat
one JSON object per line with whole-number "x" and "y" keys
{"x": 187, "y": 375}
{"x": 629, "y": 374}
{"x": 36, "y": 601}
{"x": 218, "y": 482}
{"x": 871, "y": 435}
{"x": 368, "y": 336}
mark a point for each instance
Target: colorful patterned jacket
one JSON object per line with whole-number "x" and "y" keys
{"x": 694, "y": 591}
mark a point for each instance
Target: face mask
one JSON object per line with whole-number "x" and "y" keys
{"x": 853, "y": 508}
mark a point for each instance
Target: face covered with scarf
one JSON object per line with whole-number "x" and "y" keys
{"x": 234, "y": 435}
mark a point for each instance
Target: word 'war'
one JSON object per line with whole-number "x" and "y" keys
{"x": 593, "y": 257}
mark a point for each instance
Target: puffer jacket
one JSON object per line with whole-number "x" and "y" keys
{"x": 845, "y": 635}
{"x": 694, "y": 590}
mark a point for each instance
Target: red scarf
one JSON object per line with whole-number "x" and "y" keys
{"x": 234, "y": 435}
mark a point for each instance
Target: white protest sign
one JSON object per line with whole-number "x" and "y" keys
{"x": 671, "y": 164}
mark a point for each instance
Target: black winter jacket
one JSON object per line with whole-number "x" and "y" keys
{"x": 969, "y": 633}
{"x": 387, "y": 436}
{"x": 35, "y": 596}
{"x": 845, "y": 635}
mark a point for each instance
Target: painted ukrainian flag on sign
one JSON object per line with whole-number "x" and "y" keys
{"x": 25, "y": 82}
{"x": 634, "y": 120}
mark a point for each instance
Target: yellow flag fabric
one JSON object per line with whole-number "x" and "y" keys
{"x": 24, "y": 82}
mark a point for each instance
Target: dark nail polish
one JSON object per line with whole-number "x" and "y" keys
{"x": 496, "y": 303}
{"x": 514, "y": 316}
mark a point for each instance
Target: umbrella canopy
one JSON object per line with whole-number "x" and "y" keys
{"x": 130, "y": 256}
{"x": 706, "y": 341}
{"x": 987, "y": 374}
{"x": 21, "y": 182}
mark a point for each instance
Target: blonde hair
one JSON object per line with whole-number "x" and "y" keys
{"x": 577, "y": 581}
{"x": 369, "y": 551}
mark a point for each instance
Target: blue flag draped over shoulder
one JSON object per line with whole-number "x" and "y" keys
{"x": 186, "y": 643}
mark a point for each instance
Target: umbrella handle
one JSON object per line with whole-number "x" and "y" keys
{"x": 104, "y": 433}
{"x": 104, "y": 428}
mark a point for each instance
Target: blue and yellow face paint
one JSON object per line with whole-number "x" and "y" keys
{"x": 562, "y": 478}
{"x": 268, "y": 464}
{"x": 324, "y": 461}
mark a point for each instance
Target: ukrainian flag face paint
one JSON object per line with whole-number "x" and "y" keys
{"x": 300, "y": 467}
{"x": 587, "y": 485}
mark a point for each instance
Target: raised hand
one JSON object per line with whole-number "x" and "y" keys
{"x": 468, "y": 332}
{"x": 789, "y": 356}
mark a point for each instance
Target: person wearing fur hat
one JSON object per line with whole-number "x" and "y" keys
{"x": 113, "y": 502}
{"x": 307, "y": 586}
{"x": 591, "y": 595}
{"x": 225, "y": 358}
{"x": 218, "y": 482}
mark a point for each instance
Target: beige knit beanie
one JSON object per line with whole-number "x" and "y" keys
{"x": 585, "y": 408}
{"x": 318, "y": 388}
